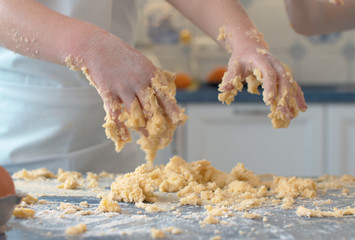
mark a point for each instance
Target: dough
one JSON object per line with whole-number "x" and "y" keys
{"x": 223, "y": 37}
{"x": 199, "y": 183}
{"x": 23, "y": 213}
{"x": 84, "y": 204}
{"x": 251, "y": 215}
{"x": 70, "y": 183}
{"x": 217, "y": 237}
{"x": 68, "y": 208}
{"x": 62, "y": 175}
{"x": 158, "y": 127}
{"x": 254, "y": 80}
{"x": 29, "y": 199}
{"x": 157, "y": 233}
{"x": 108, "y": 205}
{"x": 173, "y": 230}
{"x": 40, "y": 173}
{"x": 78, "y": 229}
{"x": 287, "y": 96}
{"x": 210, "y": 220}
{"x": 306, "y": 212}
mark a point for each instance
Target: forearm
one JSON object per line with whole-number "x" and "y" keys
{"x": 33, "y": 30}
{"x": 311, "y": 17}
{"x": 211, "y": 15}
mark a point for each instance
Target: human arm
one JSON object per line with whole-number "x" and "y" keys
{"x": 122, "y": 75}
{"x": 250, "y": 58}
{"x": 312, "y": 17}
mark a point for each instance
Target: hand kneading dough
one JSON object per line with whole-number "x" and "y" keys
{"x": 278, "y": 118}
{"x": 159, "y": 127}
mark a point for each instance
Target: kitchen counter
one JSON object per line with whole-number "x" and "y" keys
{"x": 134, "y": 223}
{"x": 312, "y": 93}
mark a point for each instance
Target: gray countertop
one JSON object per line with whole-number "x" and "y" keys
{"x": 313, "y": 94}
{"x": 133, "y": 223}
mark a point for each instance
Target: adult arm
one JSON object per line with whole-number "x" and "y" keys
{"x": 122, "y": 75}
{"x": 227, "y": 21}
{"x": 312, "y": 17}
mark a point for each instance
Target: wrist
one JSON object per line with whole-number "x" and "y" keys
{"x": 81, "y": 47}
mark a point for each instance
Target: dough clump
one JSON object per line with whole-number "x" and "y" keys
{"x": 199, "y": 183}
{"x": 24, "y": 213}
{"x": 75, "y": 230}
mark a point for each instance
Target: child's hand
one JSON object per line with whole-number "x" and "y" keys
{"x": 251, "y": 61}
{"x": 135, "y": 93}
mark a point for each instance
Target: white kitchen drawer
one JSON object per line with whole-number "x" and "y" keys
{"x": 226, "y": 135}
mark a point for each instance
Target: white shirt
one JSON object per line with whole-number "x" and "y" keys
{"x": 50, "y": 116}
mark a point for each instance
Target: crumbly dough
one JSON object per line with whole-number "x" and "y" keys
{"x": 199, "y": 183}
{"x": 92, "y": 183}
{"x": 84, "y": 204}
{"x": 40, "y": 173}
{"x": 287, "y": 96}
{"x": 149, "y": 207}
{"x": 254, "y": 80}
{"x": 70, "y": 183}
{"x": 216, "y": 211}
{"x": 306, "y": 212}
{"x": 108, "y": 205}
{"x": 251, "y": 215}
{"x": 157, "y": 233}
{"x": 29, "y": 199}
{"x": 75, "y": 230}
{"x": 255, "y": 35}
{"x": 105, "y": 174}
{"x": 63, "y": 175}
{"x": 217, "y": 237}
{"x": 210, "y": 220}
{"x": 223, "y": 36}
{"x": 68, "y": 208}
{"x": 173, "y": 230}
{"x": 24, "y": 213}
{"x": 158, "y": 126}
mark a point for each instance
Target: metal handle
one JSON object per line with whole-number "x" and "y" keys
{"x": 254, "y": 112}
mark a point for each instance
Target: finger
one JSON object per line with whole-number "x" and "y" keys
{"x": 115, "y": 129}
{"x": 266, "y": 74}
{"x": 165, "y": 90}
{"x": 231, "y": 83}
{"x": 134, "y": 116}
{"x": 301, "y": 102}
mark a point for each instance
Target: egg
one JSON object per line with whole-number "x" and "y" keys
{"x": 7, "y": 186}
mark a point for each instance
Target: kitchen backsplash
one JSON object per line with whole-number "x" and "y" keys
{"x": 326, "y": 59}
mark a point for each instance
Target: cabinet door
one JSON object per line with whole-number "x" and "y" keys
{"x": 226, "y": 135}
{"x": 341, "y": 139}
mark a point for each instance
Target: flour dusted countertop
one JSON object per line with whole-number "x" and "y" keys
{"x": 134, "y": 223}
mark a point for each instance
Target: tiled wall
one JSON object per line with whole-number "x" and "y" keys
{"x": 325, "y": 59}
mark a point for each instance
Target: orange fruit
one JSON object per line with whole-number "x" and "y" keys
{"x": 216, "y": 75}
{"x": 182, "y": 80}
{"x": 7, "y": 186}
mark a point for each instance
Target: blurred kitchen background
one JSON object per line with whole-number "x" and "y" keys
{"x": 320, "y": 141}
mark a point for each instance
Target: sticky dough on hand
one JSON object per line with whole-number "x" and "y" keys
{"x": 153, "y": 123}
{"x": 254, "y": 80}
{"x": 154, "y": 120}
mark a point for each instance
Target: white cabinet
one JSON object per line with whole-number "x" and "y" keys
{"x": 226, "y": 135}
{"x": 341, "y": 138}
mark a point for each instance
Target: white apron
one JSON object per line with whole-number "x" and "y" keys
{"x": 50, "y": 116}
